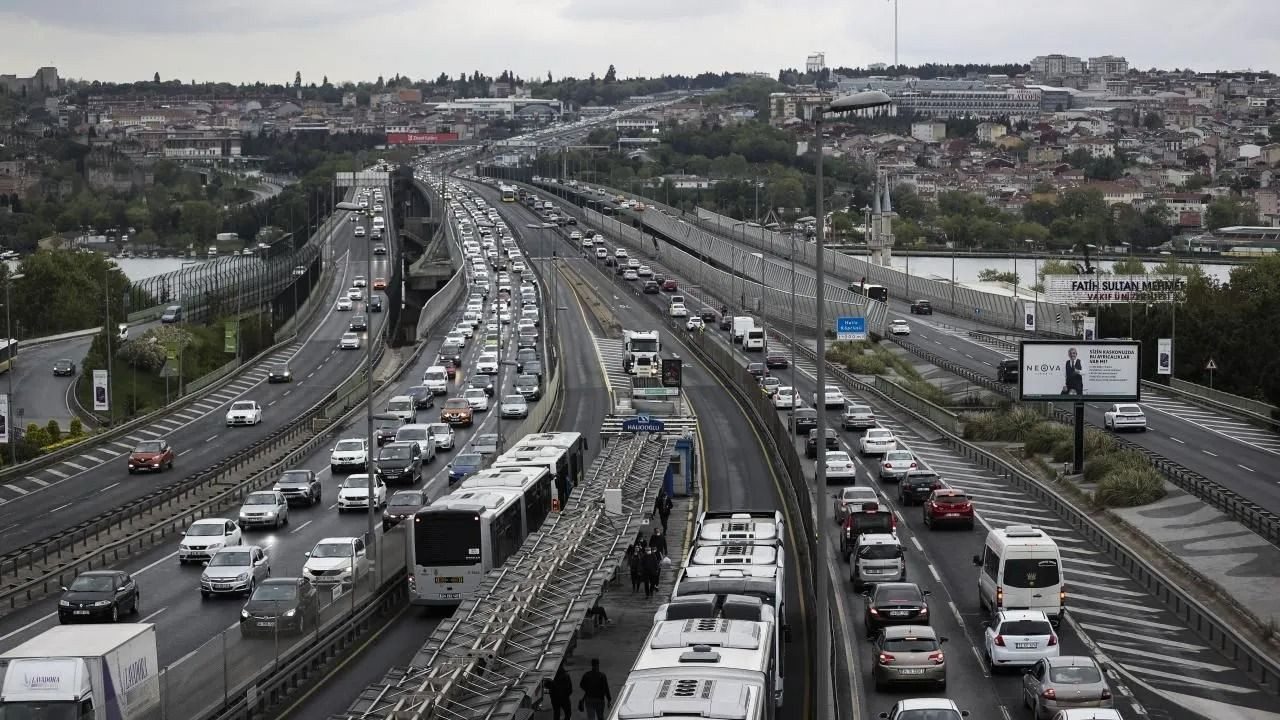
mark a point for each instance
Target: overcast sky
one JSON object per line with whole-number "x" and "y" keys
{"x": 250, "y": 40}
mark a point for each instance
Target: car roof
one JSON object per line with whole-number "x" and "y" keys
{"x": 904, "y": 631}
{"x": 1022, "y": 615}
{"x": 211, "y": 521}
{"x": 281, "y": 581}
{"x": 1071, "y": 661}
{"x": 878, "y": 539}
{"x": 927, "y": 704}
{"x": 336, "y": 540}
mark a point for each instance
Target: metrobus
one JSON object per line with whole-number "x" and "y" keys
{"x": 563, "y": 453}
{"x": 8, "y": 348}
{"x": 508, "y": 193}
{"x": 875, "y": 292}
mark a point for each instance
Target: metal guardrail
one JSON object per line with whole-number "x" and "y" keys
{"x": 1249, "y": 409}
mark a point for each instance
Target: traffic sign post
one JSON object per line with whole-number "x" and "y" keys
{"x": 1211, "y": 366}
{"x": 643, "y": 423}
{"x": 851, "y": 328}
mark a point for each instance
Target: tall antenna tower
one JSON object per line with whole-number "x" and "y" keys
{"x": 895, "y": 32}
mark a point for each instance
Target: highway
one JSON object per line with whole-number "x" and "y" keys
{"x": 1158, "y": 667}
{"x": 77, "y": 489}
{"x": 39, "y": 396}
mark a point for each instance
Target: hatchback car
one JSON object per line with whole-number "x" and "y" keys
{"x": 917, "y": 486}
{"x": 924, "y": 709}
{"x": 895, "y": 604}
{"x": 206, "y": 537}
{"x": 1065, "y": 682}
{"x": 98, "y": 596}
{"x": 265, "y": 507}
{"x": 151, "y": 456}
{"x": 477, "y": 398}
{"x": 831, "y": 397}
{"x": 514, "y": 406}
{"x": 899, "y": 327}
{"x": 280, "y": 605}
{"x": 441, "y": 435}
{"x": 948, "y": 506}
{"x": 785, "y": 397}
{"x": 402, "y": 505}
{"x": 908, "y": 654}
{"x": 299, "y": 487}
{"x": 279, "y": 373}
{"x": 896, "y": 463}
{"x": 774, "y": 360}
{"x": 358, "y": 323}
{"x": 527, "y": 385}
{"x": 235, "y": 570}
{"x": 1018, "y": 637}
{"x": 464, "y": 464}
{"x": 349, "y": 341}
{"x": 811, "y": 443}
{"x": 852, "y": 497}
{"x": 670, "y": 285}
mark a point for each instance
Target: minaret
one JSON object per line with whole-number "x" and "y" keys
{"x": 880, "y": 235}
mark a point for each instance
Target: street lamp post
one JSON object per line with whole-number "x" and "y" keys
{"x": 824, "y": 700}
{"x": 13, "y": 367}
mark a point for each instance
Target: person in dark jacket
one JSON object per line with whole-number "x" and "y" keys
{"x": 560, "y": 689}
{"x": 634, "y": 554}
{"x": 658, "y": 542}
{"x": 662, "y": 508}
{"x": 652, "y": 571}
{"x": 595, "y": 690}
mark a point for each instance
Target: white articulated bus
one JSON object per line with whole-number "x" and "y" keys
{"x": 563, "y": 453}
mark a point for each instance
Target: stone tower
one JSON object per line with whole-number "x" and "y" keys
{"x": 880, "y": 237}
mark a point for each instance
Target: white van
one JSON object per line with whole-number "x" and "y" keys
{"x": 436, "y": 378}
{"x": 877, "y": 558}
{"x": 1021, "y": 569}
{"x": 403, "y": 407}
{"x": 754, "y": 339}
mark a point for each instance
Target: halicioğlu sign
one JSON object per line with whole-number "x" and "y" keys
{"x": 1106, "y": 289}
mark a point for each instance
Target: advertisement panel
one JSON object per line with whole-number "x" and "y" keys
{"x": 4, "y": 419}
{"x": 229, "y": 335}
{"x": 100, "y": 399}
{"x": 1029, "y": 317}
{"x": 1164, "y": 356}
{"x": 404, "y": 138}
{"x": 1108, "y": 289}
{"x": 1090, "y": 329}
{"x": 1072, "y": 371}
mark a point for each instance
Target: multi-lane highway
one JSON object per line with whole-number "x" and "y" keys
{"x": 1157, "y": 666}
{"x": 39, "y": 395}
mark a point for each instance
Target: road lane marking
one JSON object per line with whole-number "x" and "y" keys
{"x": 1177, "y": 440}
{"x": 299, "y": 528}
{"x": 211, "y": 439}
{"x": 153, "y": 614}
{"x": 64, "y": 505}
{"x": 108, "y": 487}
{"x": 1206, "y": 452}
{"x": 18, "y": 490}
{"x": 184, "y": 452}
{"x": 166, "y": 558}
{"x": 1244, "y": 467}
{"x": 38, "y": 481}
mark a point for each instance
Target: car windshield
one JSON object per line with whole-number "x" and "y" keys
{"x": 150, "y": 446}
{"x": 349, "y": 446}
{"x": 468, "y": 460}
{"x": 1026, "y": 627}
{"x": 951, "y": 499}
{"x": 242, "y": 406}
{"x": 1031, "y": 572}
{"x": 230, "y": 558}
{"x": 898, "y": 596}
{"x": 91, "y": 583}
{"x": 260, "y": 499}
{"x": 910, "y": 644}
{"x": 838, "y": 457}
{"x": 1130, "y": 409}
{"x": 357, "y": 482}
{"x": 206, "y": 529}
{"x": 898, "y": 456}
{"x": 392, "y": 452}
{"x": 274, "y": 592}
{"x": 405, "y": 500}
{"x": 879, "y": 435}
{"x": 880, "y": 552}
{"x": 280, "y": 369}
{"x": 526, "y": 381}
{"x": 435, "y": 375}
{"x": 1074, "y": 675}
{"x": 456, "y": 403}
{"x": 397, "y": 405}
{"x": 295, "y": 477}
{"x": 440, "y": 429}
{"x": 928, "y": 714}
{"x": 332, "y": 550}
{"x": 514, "y": 400}
{"x": 474, "y": 393}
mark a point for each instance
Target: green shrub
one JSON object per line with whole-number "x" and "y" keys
{"x": 981, "y": 426}
{"x": 36, "y": 436}
{"x": 1064, "y": 450}
{"x": 930, "y": 392}
{"x": 1019, "y": 423}
{"x": 1044, "y": 437}
{"x": 76, "y": 428}
{"x": 1129, "y": 486}
{"x": 865, "y": 365}
{"x": 52, "y": 432}
{"x": 1097, "y": 443}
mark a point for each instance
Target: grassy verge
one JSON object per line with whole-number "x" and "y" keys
{"x": 867, "y": 358}
{"x": 1122, "y": 478}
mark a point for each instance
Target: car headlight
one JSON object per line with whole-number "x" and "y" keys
{"x": 242, "y": 577}
{"x": 290, "y": 613}
{"x": 102, "y": 603}
{"x": 244, "y": 614}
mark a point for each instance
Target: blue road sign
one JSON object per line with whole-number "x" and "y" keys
{"x": 851, "y": 328}
{"x": 643, "y": 423}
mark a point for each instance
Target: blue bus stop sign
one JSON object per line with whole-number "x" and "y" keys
{"x": 643, "y": 423}
{"x": 851, "y": 328}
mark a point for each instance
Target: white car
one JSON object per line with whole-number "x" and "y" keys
{"x": 354, "y": 493}
{"x": 465, "y": 330}
{"x": 359, "y": 281}
{"x": 235, "y": 570}
{"x": 678, "y": 310}
{"x": 840, "y": 466}
{"x": 457, "y": 338}
{"x": 206, "y": 537}
{"x": 852, "y": 496}
{"x": 344, "y": 303}
{"x": 442, "y": 435}
{"x": 786, "y": 397}
{"x": 264, "y": 507}
{"x": 336, "y": 561}
{"x": 504, "y": 316}
{"x": 932, "y": 708}
{"x": 359, "y": 229}
{"x": 1125, "y": 416}
{"x": 644, "y": 271}
{"x": 877, "y": 441}
{"x": 587, "y": 243}
{"x": 899, "y": 327}
{"x": 487, "y": 363}
{"x": 355, "y": 294}
{"x": 832, "y": 396}
{"x": 404, "y": 407}
{"x": 602, "y": 253}
{"x": 694, "y": 323}
{"x": 476, "y": 398}
{"x": 514, "y": 406}
{"x": 1018, "y": 637}
{"x": 896, "y": 464}
{"x": 349, "y": 341}
{"x": 629, "y": 275}
{"x": 244, "y": 412}
{"x": 620, "y": 253}
{"x": 348, "y": 455}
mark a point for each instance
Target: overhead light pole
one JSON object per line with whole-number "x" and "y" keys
{"x": 824, "y": 701}
{"x": 12, "y": 352}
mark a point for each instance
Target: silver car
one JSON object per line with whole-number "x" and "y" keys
{"x": 897, "y": 463}
{"x": 264, "y": 507}
{"x": 908, "y": 654}
{"x": 1061, "y": 683}
{"x": 235, "y": 570}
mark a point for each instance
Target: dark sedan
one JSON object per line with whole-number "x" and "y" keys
{"x": 532, "y": 367}
{"x": 806, "y": 419}
{"x": 375, "y": 303}
{"x": 757, "y": 370}
{"x": 895, "y": 604}
{"x": 97, "y": 596}
{"x": 280, "y": 605}
{"x": 422, "y": 396}
{"x": 917, "y": 485}
{"x": 402, "y": 505}
{"x": 63, "y": 368}
{"x": 279, "y": 373}
{"x": 650, "y": 287}
{"x": 385, "y": 426}
{"x": 379, "y": 249}
{"x": 299, "y": 487}
{"x": 451, "y": 353}
{"x": 359, "y": 322}
{"x": 481, "y": 382}
{"x": 709, "y": 317}
{"x": 776, "y": 360}
{"x": 811, "y": 443}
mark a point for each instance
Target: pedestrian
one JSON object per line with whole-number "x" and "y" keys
{"x": 560, "y": 689}
{"x": 596, "y": 696}
{"x": 633, "y": 563}
{"x": 598, "y": 615}
{"x": 658, "y": 542}
{"x": 652, "y": 571}
{"x": 662, "y": 508}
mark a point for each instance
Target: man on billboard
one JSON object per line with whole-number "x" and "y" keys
{"x": 1074, "y": 375}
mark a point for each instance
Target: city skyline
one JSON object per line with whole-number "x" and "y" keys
{"x": 94, "y": 41}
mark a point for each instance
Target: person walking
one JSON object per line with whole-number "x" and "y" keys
{"x": 652, "y": 571}
{"x": 658, "y": 542}
{"x": 560, "y": 688}
{"x": 662, "y": 508}
{"x": 634, "y": 558}
{"x": 596, "y": 696}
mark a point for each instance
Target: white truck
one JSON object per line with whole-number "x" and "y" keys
{"x": 89, "y": 672}
{"x": 741, "y": 324}
{"x": 640, "y": 351}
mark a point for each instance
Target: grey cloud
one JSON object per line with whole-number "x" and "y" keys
{"x": 169, "y": 16}
{"x": 649, "y": 12}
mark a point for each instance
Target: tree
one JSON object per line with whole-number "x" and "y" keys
{"x": 1227, "y": 211}
{"x": 610, "y": 75}
{"x": 993, "y": 275}
{"x": 297, "y": 79}
{"x": 1129, "y": 266}
{"x": 324, "y": 81}
{"x": 1274, "y": 132}
{"x": 156, "y": 78}
{"x": 1152, "y": 121}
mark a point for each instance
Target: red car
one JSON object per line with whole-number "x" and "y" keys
{"x": 151, "y": 456}
{"x": 669, "y": 286}
{"x": 450, "y": 369}
{"x": 948, "y": 505}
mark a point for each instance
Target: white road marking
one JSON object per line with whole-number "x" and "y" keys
{"x": 166, "y": 558}
{"x": 153, "y": 614}
{"x": 64, "y": 505}
{"x": 108, "y": 487}
{"x": 1206, "y": 452}
{"x": 1177, "y": 440}
{"x": 184, "y": 452}
{"x": 1244, "y": 467}
{"x": 16, "y": 489}
{"x": 211, "y": 439}
{"x": 299, "y": 528}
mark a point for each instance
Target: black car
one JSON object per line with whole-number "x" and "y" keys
{"x": 805, "y": 419}
{"x": 532, "y": 367}
{"x": 921, "y": 307}
{"x": 280, "y": 605}
{"x": 279, "y": 373}
{"x": 757, "y": 370}
{"x": 776, "y": 360}
{"x": 359, "y": 322}
{"x": 709, "y": 316}
{"x": 1007, "y": 371}
{"x": 916, "y": 486}
{"x": 895, "y": 604}
{"x": 63, "y": 368}
{"x": 400, "y": 462}
{"x": 452, "y": 353}
{"x": 402, "y": 505}
{"x": 299, "y": 487}
{"x": 527, "y": 385}
{"x": 811, "y": 443}
{"x": 98, "y": 596}
{"x": 385, "y": 426}
{"x": 379, "y": 249}
{"x": 651, "y": 287}
{"x": 422, "y": 396}
{"x": 619, "y": 269}
{"x": 524, "y": 355}
{"x": 482, "y": 382}
{"x": 375, "y": 303}
{"x": 571, "y": 220}
{"x": 726, "y": 322}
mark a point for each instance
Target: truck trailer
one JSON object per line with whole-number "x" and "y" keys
{"x": 89, "y": 671}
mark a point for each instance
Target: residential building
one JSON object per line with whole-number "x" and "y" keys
{"x": 930, "y": 132}
{"x": 1056, "y": 65}
{"x": 816, "y": 62}
{"x": 788, "y": 108}
{"x": 1044, "y": 154}
{"x": 509, "y": 108}
{"x": 690, "y": 182}
{"x": 989, "y": 132}
{"x": 1108, "y": 66}
{"x": 636, "y": 125}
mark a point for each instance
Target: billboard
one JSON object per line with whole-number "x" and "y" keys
{"x": 1029, "y": 317}
{"x": 4, "y": 419}
{"x": 1164, "y": 356}
{"x": 1074, "y": 371}
{"x": 229, "y": 335}
{"x": 1108, "y": 289}
{"x": 405, "y": 138}
{"x": 100, "y": 399}
{"x": 1089, "y": 331}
